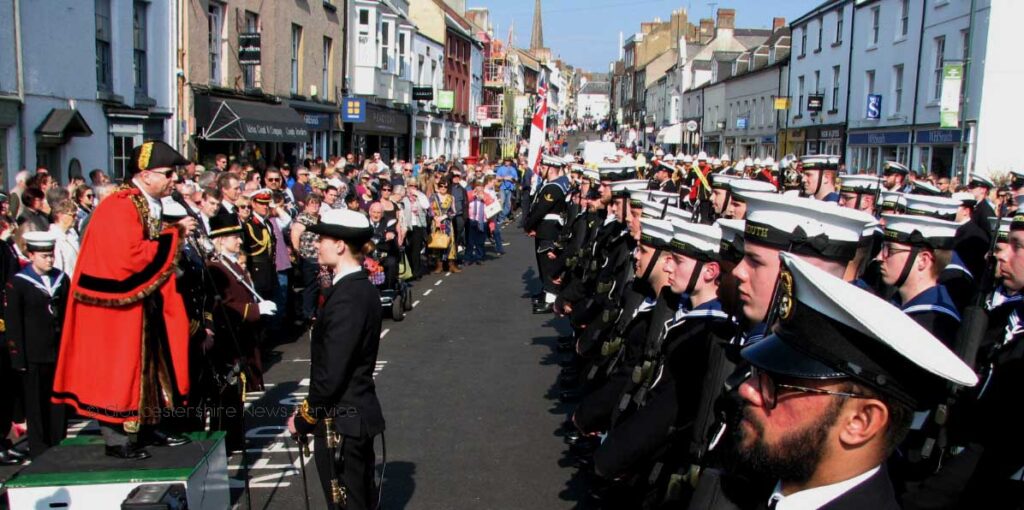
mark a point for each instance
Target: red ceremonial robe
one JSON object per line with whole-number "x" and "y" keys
{"x": 124, "y": 259}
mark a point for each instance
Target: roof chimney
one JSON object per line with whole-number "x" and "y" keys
{"x": 726, "y": 18}
{"x": 778, "y": 23}
{"x": 707, "y": 30}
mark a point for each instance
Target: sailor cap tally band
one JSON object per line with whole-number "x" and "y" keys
{"x": 804, "y": 226}
{"x": 920, "y": 231}
{"x": 696, "y": 241}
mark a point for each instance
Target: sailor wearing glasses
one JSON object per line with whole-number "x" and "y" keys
{"x": 833, "y": 390}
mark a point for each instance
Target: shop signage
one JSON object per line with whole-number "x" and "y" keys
{"x": 831, "y": 134}
{"x": 949, "y": 106}
{"x": 317, "y": 121}
{"x": 884, "y": 138}
{"x": 353, "y": 109}
{"x": 249, "y": 50}
{"x": 874, "y": 110}
{"x": 741, "y": 123}
{"x": 781, "y": 103}
{"x": 939, "y": 136}
{"x": 815, "y": 102}
{"x": 691, "y": 126}
{"x": 767, "y": 139}
{"x": 422, "y": 93}
{"x": 446, "y": 100}
{"x": 384, "y": 120}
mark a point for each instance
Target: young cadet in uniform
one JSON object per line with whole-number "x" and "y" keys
{"x": 860, "y": 192}
{"x": 720, "y": 192}
{"x": 232, "y": 360}
{"x": 959, "y": 282}
{"x": 981, "y": 186}
{"x": 736, "y": 205}
{"x": 624, "y": 349}
{"x": 832, "y": 392}
{"x": 820, "y": 174}
{"x": 916, "y": 251}
{"x": 343, "y": 350}
{"x": 544, "y": 224}
{"x": 972, "y": 241}
{"x": 36, "y": 298}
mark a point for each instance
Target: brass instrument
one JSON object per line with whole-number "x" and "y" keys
{"x": 339, "y": 494}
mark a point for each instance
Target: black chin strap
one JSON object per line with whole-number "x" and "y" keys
{"x": 857, "y": 206}
{"x": 821, "y": 177}
{"x": 650, "y": 266}
{"x": 914, "y": 251}
{"x": 693, "y": 277}
{"x": 725, "y": 203}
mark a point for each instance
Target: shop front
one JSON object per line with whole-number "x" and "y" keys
{"x": 322, "y": 121}
{"x": 791, "y": 141}
{"x": 826, "y": 140}
{"x": 868, "y": 151}
{"x": 386, "y": 131}
{"x": 939, "y": 150}
{"x": 252, "y": 131}
{"x": 766, "y": 147}
{"x": 712, "y": 145}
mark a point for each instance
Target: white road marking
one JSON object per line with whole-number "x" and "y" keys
{"x": 415, "y": 303}
{"x": 384, "y": 333}
{"x": 446, "y": 275}
{"x": 438, "y": 283}
{"x": 427, "y": 292}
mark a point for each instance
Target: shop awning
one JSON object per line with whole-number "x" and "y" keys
{"x": 61, "y": 124}
{"x": 672, "y": 135}
{"x": 233, "y": 120}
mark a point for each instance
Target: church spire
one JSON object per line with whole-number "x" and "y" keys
{"x": 537, "y": 39}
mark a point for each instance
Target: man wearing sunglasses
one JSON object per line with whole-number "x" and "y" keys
{"x": 124, "y": 349}
{"x": 833, "y": 391}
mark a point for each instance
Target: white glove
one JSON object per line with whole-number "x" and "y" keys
{"x": 267, "y": 307}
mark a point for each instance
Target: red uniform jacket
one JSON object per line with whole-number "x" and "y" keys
{"x": 124, "y": 258}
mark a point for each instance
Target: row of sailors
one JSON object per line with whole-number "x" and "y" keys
{"x": 673, "y": 311}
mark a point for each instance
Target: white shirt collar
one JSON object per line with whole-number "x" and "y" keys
{"x": 233, "y": 257}
{"x": 817, "y": 497}
{"x": 156, "y": 209}
{"x": 345, "y": 272}
{"x": 228, "y": 205}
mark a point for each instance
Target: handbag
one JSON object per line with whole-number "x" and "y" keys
{"x": 439, "y": 241}
{"x": 405, "y": 270}
{"x": 492, "y": 209}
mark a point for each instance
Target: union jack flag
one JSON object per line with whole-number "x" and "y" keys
{"x": 538, "y": 127}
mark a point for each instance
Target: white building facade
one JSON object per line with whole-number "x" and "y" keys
{"x": 427, "y": 73}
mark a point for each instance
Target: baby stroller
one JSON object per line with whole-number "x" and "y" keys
{"x": 382, "y": 267}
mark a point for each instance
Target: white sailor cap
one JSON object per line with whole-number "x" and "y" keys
{"x": 549, "y": 160}
{"x": 820, "y": 162}
{"x": 576, "y": 168}
{"x": 716, "y": 162}
{"x": 804, "y": 226}
{"x": 1003, "y": 235}
{"x": 591, "y": 174}
{"x": 943, "y": 208}
{"x": 343, "y": 224}
{"x": 894, "y": 167}
{"x": 669, "y": 157}
{"x": 656, "y": 233}
{"x": 624, "y": 188}
{"x": 664, "y": 197}
{"x": 731, "y": 247}
{"x": 926, "y": 188}
{"x": 666, "y": 165}
{"x": 696, "y": 240}
{"x": 613, "y": 172}
{"x": 920, "y": 231}
{"x": 966, "y": 199}
{"x": 725, "y": 157}
{"x": 680, "y": 156}
{"x": 768, "y": 161}
{"x": 678, "y": 215}
{"x": 980, "y": 180}
{"x": 662, "y": 211}
{"x": 748, "y": 163}
{"x": 171, "y": 211}
{"x": 893, "y": 201}
{"x": 687, "y": 159}
{"x": 750, "y": 186}
{"x": 702, "y": 156}
{"x": 721, "y": 180}
{"x": 39, "y": 240}
{"x": 830, "y": 329}
{"x": 1018, "y": 177}
{"x": 859, "y": 183}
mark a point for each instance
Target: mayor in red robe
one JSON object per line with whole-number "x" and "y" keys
{"x": 124, "y": 350}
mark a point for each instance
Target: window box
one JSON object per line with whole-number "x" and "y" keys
{"x": 833, "y": 111}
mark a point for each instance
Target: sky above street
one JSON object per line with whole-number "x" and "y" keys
{"x": 585, "y": 33}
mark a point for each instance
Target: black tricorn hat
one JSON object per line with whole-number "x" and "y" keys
{"x": 156, "y": 154}
{"x": 224, "y": 225}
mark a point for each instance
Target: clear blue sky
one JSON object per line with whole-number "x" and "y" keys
{"x": 585, "y": 33}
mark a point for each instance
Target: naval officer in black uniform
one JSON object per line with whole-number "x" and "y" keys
{"x": 343, "y": 354}
{"x": 832, "y": 391}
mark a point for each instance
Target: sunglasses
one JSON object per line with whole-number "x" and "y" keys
{"x": 245, "y": 207}
{"x": 273, "y": 179}
{"x": 769, "y": 389}
{"x": 385, "y": 189}
{"x": 166, "y": 173}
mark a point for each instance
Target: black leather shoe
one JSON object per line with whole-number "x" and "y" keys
{"x": 127, "y": 452}
{"x": 539, "y": 308}
{"x": 570, "y": 396}
{"x": 19, "y": 451}
{"x": 9, "y": 459}
{"x": 570, "y": 371}
{"x": 565, "y": 340}
{"x": 566, "y": 347}
{"x": 157, "y": 438}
